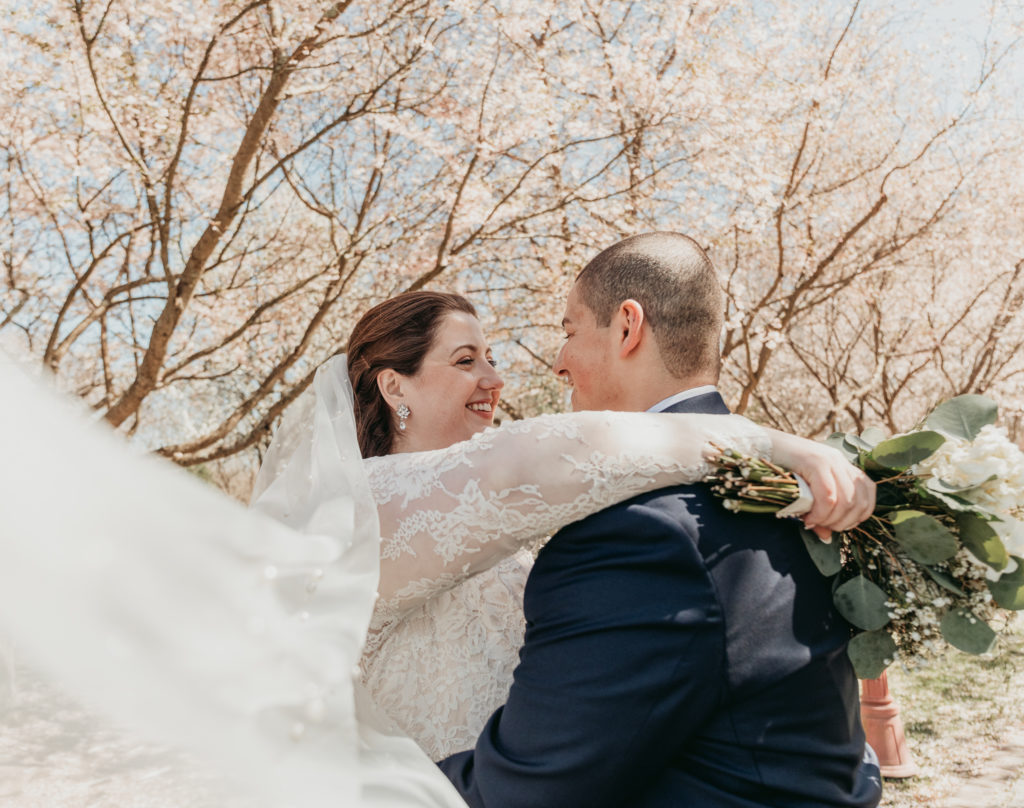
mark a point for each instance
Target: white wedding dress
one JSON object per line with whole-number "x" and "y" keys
{"x": 260, "y": 645}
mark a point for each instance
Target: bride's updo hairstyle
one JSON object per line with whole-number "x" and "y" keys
{"x": 395, "y": 334}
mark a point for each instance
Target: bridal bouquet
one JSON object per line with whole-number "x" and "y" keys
{"x": 942, "y": 557}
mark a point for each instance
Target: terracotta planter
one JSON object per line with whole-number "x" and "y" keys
{"x": 884, "y": 730}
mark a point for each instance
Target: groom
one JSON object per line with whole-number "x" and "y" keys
{"x": 675, "y": 653}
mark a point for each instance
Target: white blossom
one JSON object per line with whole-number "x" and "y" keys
{"x": 991, "y": 466}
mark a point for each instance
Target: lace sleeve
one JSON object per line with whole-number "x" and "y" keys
{"x": 450, "y": 513}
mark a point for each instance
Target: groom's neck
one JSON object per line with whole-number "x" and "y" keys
{"x": 643, "y": 393}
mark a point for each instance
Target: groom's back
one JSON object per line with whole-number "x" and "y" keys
{"x": 706, "y": 660}
{"x": 782, "y": 724}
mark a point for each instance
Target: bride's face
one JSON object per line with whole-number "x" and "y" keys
{"x": 455, "y": 393}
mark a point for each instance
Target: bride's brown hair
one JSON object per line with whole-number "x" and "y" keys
{"x": 395, "y": 334}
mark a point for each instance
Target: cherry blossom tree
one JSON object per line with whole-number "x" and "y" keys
{"x": 200, "y": 198}
{"x": 885, "y": 274}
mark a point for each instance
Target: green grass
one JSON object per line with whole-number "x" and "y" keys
{"x": 956, "y": 712}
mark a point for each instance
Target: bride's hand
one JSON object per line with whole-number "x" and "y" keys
{"x": 844, "y": 496}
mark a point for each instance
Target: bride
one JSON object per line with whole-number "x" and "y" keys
{"x": 162, "y": 604}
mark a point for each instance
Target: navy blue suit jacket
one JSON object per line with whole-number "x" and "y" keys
{"x": 676, "y": 654}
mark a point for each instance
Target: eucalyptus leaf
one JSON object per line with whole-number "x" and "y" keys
{"x": 867, "y": 463}
{"x": 871, "y": 652}
{"x": 1008, "y": 591}
{"x": 901, "y": 452}
{"x": 862, "y": 603}
{"x": 963, "y": 416}
{"x": 825, "y": 556}
{"x": 944, "y": 579}
{"x": 837, "y": 440}
{"x": 963, "y": 629}
{"x": 942, "y": 487}
{"x": 873, "y": 435}
{"x": 952, "y": 502}
{"x": 922, "y": 537}
{"x": 981, "y": 539}
{"x": 857, "y": 442}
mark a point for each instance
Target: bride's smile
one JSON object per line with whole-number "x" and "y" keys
{"x": 485, "y": 408}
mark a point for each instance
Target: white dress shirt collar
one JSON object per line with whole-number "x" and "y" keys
{"x": 693, "y": 392}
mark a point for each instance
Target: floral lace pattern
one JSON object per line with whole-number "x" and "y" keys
{"x": 445, "y": 633}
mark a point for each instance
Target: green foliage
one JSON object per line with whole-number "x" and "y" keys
{"x": 837, "y": 440}
{"x": 871, "y": 652}
{"x": 963, "y": 629}
{"x": 922, "y": 537}
{"x": 873, "y": 436}
{"x": 857, "y": 442}
{"x": 900, "y": 453}
{"x": 963, "y": 416}
{"x": 826, "y": 557}
{"x": 945, "y": 580}
{"x": 1009, "y": 589}
{"x": 934, "y": 488}
{"x": 862, "y": 603}
{"x": 984, "y": 543}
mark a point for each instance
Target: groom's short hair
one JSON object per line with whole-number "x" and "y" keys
{"x": 674, "y": 281}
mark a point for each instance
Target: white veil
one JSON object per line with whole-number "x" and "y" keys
{"x": 159, "y": 601}
{"x": 312, "y": 480}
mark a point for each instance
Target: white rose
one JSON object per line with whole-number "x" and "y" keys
{"x": 974, "y": 464}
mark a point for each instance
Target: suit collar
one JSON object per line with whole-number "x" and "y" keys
{"x": 665, "y": 403}
{"x": 711, "y": 403}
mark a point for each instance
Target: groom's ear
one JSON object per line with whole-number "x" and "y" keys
{"x": 629, "y": 322}
{"x": 389, "y": 382}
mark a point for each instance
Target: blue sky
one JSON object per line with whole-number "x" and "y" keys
{"x": 961, "y": 26}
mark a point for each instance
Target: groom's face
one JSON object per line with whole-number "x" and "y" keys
{"x": 585, "y": 358}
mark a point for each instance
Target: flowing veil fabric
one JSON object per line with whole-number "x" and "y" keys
{"x": 157, "y": 600}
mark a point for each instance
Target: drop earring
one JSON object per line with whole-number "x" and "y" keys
{"x": 403, "y": 413}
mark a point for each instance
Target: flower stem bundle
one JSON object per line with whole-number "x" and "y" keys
{"x": 753, "y": 485}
